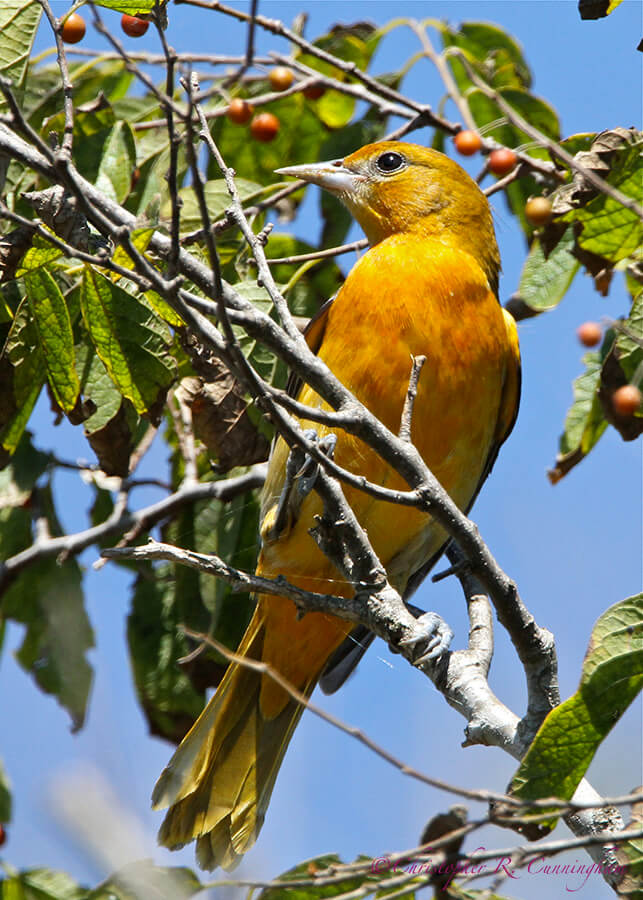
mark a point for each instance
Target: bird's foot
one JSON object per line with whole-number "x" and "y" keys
{"x": 299, "y": 480}
{"x": 308, "y": 472}
{"x": 434, "y": 633}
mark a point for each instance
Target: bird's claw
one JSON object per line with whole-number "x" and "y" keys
{"x": 307, "y": 474}
{"x": 432, "y": 631}
{"x": 299, "y": 480}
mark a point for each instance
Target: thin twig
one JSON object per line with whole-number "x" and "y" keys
{"x": 409, "y": 401}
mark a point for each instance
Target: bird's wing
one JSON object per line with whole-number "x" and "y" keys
{"x": 348, "y": 655}
{"x": 314, "y": 334}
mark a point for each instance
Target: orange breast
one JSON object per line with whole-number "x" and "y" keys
{"x": 405, "y": 297}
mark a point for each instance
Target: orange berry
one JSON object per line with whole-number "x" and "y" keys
{"x": 281, "y": 78}
{"x": 626, "y": 400}
{"x": 589, "y": 334}
{"x": 314, "y": 91}
{"x": 239, "y": 111}
{"x": 501, "y": 162}
{"x": 133, "y": 26}
{"x": 467, "y": 142}
{"x": 73, "y": 29}
{"x": 538, "y": 210}
{"x": 264, "y": 127}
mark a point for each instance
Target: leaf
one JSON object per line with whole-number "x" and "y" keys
{"x": 568, "y": 739}
{"x": 22, "y": 374}
{"x": 584, "y": 423}
{"x": 129, "y": 6}
{"x": 118, "y": 161}
{"x": 166, "y": 597}
{"x": 300, "y": 136}
{"x": 217, "y": 200}
{"x": 41, "y": 253}
{"x": 5, "y": 796}
{"x": 611, "y": 230}
{"x": 19, "y": 21}
{"x": 544, "y": 281}
{"x": 141, "y": 880}
{"x": 41, "y": 884}
{"x": 269, "y": 366}
{"x": 220, "y": 418}
{"x": 170, "y": 700}
{"x": 19, "y": 478}
{"x": 53, "y": 325}
{"x": 308, "y": 868}
{"x": 597, "y": 9}
{"x": 494, "y": 54}
{"x": 130, "y": 339}
{"x": 47, "y": 598}
{"x": 629, "y": 343}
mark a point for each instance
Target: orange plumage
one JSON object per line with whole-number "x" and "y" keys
{"x": 427, "y": 286}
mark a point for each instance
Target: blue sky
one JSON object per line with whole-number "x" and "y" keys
{"x": 574, "y": 549}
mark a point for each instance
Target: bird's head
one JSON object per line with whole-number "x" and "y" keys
{"x": 392, "y": 187}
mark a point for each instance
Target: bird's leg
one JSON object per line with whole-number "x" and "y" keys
{"x": 432, "y": 631}
{"x": 299, "y": 480}
{"x": 307, "y": 475}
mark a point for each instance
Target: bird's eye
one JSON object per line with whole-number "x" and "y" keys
{"x": 389, "y": 162}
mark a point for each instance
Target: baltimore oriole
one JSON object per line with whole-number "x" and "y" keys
{"x": 427, "y": 286}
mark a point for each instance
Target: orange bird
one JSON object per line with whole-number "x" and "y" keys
{"x": 427, "y": 286}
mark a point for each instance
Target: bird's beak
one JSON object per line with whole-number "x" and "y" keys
{"x": 332, "y": 175}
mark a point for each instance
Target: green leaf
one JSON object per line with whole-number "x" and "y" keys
{"x": 170, "y": 700}
{"x": 545, "y": 281}
{"x": 19, "y": 478}
{"x": 22, "y": 374}
{"x": 19, "y": 21}
{"x": 53, "y": 325}
{"x": 305, "y": 870}
{"x": 41, "y": 253}
{"x": 131, "y": 340}
{"x": 269, "y": 366}
{"x": 300, "y": 136}
{"x": 41, "y": 884}
{"x": 584, "y": 423}
{"x": 118, "y": 161}
{"x": 96, "y": 386}
{"x": 494, "y": 54}
{"x": 335, "y": 109}
{"x": 611, "y": 678}
{"x": 132, "y": 7}
{"x": 217, "y": 200}
{"x": 629, "y": 343}
{"x": 47, "y": 598}
{"x": 142, "y": 879}
{"x": 611, "y": 230}
{"x": 166, "y": 597}
{"x": 5, "y": 796}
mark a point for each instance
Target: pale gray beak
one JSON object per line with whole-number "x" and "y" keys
{"x": 331, "y": 175}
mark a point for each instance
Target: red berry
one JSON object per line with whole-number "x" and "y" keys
{"x": 239, "y": 111}
{"x": 626, "y": 400}
{"x": 538, "y": 210}
{"x": 73, "y": 29}
{"x": 314, "y": 91}
{"x": 264, "y": 127}
{"x": 281, "y": 78}
{"x": 467, "y": 142}
{"x": 501, "y": 162}
{"x": 589, "y": 334}
{"x": 3, "y": 835}
{"x": 133, "y": 26}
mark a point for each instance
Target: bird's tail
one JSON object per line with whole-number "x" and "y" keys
{"x": 219, "y": 781}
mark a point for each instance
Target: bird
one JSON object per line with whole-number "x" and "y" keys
{"x": 427, "y": 286}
